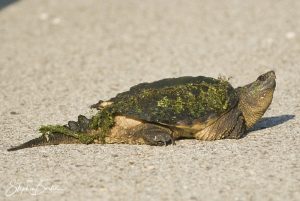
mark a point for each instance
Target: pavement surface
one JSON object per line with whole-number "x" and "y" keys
{"x": 57, "y": 57}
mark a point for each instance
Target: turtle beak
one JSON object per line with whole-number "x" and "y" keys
{"x": 267, "y": 80}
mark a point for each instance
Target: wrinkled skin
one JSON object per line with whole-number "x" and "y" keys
{"x": 159, "y": 113}
{"x": 255, "y": 98}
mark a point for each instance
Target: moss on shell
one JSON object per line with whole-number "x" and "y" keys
{"x": 171, "y": 103}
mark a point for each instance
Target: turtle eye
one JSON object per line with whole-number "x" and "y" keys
{"x": 261, "y": 78}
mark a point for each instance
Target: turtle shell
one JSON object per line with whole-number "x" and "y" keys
{"x": 188, "y": 102}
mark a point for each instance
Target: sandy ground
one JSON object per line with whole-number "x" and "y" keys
{"x": 59, "y": 57}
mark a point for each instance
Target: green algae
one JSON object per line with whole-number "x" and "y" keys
{"x": 83, "y": 138}
{"x": 103, "y": 121}
{"x": 170, "y": 103}
{"x": 100, "y": 125}
{"x": 164, "y": 102}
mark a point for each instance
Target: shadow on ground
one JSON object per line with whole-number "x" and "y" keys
{"x": 4, "y": 3}
{"x": 269, "y": 122}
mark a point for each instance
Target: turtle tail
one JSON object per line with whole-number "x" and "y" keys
{"x": 73, "y": 133}
{"x": 49, "y": 139}
{"x": 85, "y": 131}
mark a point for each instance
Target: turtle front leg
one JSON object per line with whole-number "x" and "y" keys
{"x": 229, "y": 126}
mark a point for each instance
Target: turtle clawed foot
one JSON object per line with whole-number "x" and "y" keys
{"x": 162, "y": 139}
{"x": 81, "y": 125}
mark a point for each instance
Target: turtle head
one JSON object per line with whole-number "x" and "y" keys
{"x": 255, "y": 98}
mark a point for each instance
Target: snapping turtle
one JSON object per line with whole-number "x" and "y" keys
{"x": 160, "y": 112}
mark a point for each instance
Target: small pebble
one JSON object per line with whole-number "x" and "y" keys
{"x": 56, "y": 21}
{"x": 44, "y": 16}
{"x": 290, "y": 35}
{"x": 269, "y": 40}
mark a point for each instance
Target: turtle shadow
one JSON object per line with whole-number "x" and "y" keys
{"x": 269, "y": 122}
{"x": 5, "y": 3}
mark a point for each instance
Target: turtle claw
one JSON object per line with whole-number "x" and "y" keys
{"x": 159, "y": 139}
{"x": 163, "y": 139}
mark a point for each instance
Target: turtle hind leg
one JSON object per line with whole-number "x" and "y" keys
{"x": 47, "y": 139}
{"x": 154, "y": 134}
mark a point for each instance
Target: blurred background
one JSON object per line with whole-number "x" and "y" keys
{"x": 57, "y": 57}
{"x": 103, "y": 47}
